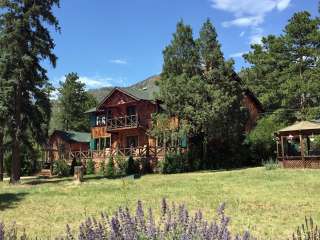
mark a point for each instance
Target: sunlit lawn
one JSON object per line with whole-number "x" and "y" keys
{"x": 270, "y": 204}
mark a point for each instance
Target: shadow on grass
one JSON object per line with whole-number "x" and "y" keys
{"x": 54, "y": 180}
{"x": 9, "y": 200}
{"x": 43, "y": 180}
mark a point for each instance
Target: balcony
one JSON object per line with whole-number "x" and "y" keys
{"x": 125, "y": 122}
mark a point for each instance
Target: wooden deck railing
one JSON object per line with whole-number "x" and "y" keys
{"x": 131, "y": 121}
{"x": 137, "y": 152}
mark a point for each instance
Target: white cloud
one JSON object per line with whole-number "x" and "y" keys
{"x": 237, "y": 55}
{"x": 119, "y": 61}
{"x": 250, "y": 7}
{"x": 249, "y": 13}
{"x": 95, "y": 81}
{"x": 283, "y": 4}
{"x": 244, "y": 21}
{"x": 256, "y": 35}
{"x": 242, "y": 33}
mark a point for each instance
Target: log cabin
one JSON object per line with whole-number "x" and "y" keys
{"x": 61, "y": 143}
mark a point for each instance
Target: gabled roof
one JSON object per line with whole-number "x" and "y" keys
{"x": 135, "y": 93}
{"x": 73, "y": 136}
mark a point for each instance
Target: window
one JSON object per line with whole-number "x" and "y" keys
{"x": 131, "y": 110}
{"x": 109, "y": 114}
{"x": 132, "y": 141}
{"x": 102, "y": 143}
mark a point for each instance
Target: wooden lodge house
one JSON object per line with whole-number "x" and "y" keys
{"x": 120, "y": 123}
{"x": 123, "y": 117}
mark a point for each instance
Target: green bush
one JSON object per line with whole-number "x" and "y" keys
{"x": 102, "y": 168}
{"x": 121, "y": 165}
{"x": 174, "y": 163}
{"x": 61, "y": 168}
{"x": 261, "y": 140}
{"x": 271, "y": 164}
{"x": 146, "y": 166}
{"x": 90, "y": 167}
{"x": 110, "y": 173}
{"x": 132, "y": 167}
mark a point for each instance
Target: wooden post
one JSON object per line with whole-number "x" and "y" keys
{"x": 277, "y": 144}
{"x": 302, "y": 150}
{"x": 282, "y": 148}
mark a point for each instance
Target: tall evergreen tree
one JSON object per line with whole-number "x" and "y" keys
{"x": 26, "y": 42}
{"x": 181, "y": 63}
{"x": 224, "y": 116}
{"x": 285, "y": 69}
{"x": 73, "y": 101}
{"x": 197, "y": 86}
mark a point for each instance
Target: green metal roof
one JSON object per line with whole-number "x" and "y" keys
{"x": 74, "y": 136}
{"x": 91, "y": 110}
{"x": 147, "y": 93}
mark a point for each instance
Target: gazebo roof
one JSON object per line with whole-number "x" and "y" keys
{"x": 304, "y": 126}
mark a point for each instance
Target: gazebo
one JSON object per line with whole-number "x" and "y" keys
{"x": 297, "y": 146}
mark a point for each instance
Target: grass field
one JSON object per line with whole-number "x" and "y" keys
{"x": 270, "y": 204}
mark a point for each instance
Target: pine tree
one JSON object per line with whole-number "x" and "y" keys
{"x": 209, "y": 47}
{"x": 198, "y": 88}
{"x": 302, "y": 43}
{"x": 223, "y": 117}
{"x": 285, "y": 69}
{"x": 181, "y": 63}
{"x": 73, "y": 102}
{"x": 26, "y": 42}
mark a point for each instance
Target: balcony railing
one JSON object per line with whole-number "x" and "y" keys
{"x": 131, "y": 121}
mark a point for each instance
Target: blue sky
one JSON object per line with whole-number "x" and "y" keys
{"x": 120, "y": 42}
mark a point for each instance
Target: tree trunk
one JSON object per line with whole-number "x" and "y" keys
{"x": 15, "y": 165}
{"x": 1, "y": 155}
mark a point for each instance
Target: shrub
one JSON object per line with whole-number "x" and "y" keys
{"x": 110, "y": 169}
{"x": 90, "y": 166}
{"x": 307, "y": 231}
{"x": 146, "y": 166}
{"x": 174, "y": 163}
{"x": 132, "y": 167}
{"x": 102, "y": 168}
{"x": 271, "y": 164}
{"x": 175, "y": 223}
{"x": 261, "y": 139}
{"x": 61, "y": 168}
{"x": 121, "y": 165}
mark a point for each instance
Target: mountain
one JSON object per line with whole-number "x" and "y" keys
{"x": 148, "y": 84}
